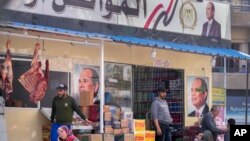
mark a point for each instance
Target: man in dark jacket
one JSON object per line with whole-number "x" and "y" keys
{"x": 230, "y": 122}
{"x": 63, "y": 107}
{"x": 208, "y": 123}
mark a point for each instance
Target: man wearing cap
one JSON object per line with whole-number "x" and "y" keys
{"x": 161, "y": 116}
{"x": 63, "y": 107}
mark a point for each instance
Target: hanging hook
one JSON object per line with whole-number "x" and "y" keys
{"x": 43, "y": 47}
{"x": 38, "y": 38}
{"x": 8, "y": 35}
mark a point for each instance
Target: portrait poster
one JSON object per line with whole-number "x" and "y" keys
{"x": 185, "y": 17}
{"x": 77, "y": 70}
{"x": 197, "y": 98}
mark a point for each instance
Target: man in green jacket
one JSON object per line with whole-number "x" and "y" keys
{"x": 63, "y": 107}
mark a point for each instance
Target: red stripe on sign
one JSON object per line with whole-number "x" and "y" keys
{"x": 152, "y": 16}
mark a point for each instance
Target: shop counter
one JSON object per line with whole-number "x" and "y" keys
{"x": 75, "y": 126}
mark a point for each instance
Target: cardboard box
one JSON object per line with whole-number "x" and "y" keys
{"x": 46, "y": 127}
{"x": 126, "y": 115}
{"x": 117, "y": 114}
{"x": 124, "y": 123}
{"x": 116, "y": 124}
{"x": 149, "y": 135}
{"x": 139, "y": 125}
{"x": 129, "y": 137}
{"x": 125, "y": 130}
{"x": 131, "y": 125}
{"x": 107, "y": 116}
{"x": 114, "y": 110}
{"x": 107, "y": 122}
{"x": 108, "y": 137}
{"x": 89, "y": 137}
{"x": 108, "y": 129}
{"x": 140, "y": 136}
{"x": 117, "y": 131}
{"x": 86, "y": 99}
{"x": 106, "y": 108}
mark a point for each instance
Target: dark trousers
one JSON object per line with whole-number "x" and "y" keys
{"x": 166, "y": 133}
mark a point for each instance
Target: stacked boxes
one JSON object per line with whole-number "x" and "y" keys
{"x": 139, "y": 129}
{"x": 129, "y": 137}
{"x": 89, "y": 137}
{"x": 140, "y": 133}
{"x": 118, "y": 122}
{"x": 46, "y": 132}
{"x": 105, "y": 137}
{"x": 108, "y": 137}
{"x": 149, "y": 135}
{"x": 112, "y": 120}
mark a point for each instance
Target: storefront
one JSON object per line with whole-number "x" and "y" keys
{"x": 130, "y": 70}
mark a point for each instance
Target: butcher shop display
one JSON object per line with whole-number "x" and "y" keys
{"x": 7, "y": 73}
{"x": 34, "y": 80}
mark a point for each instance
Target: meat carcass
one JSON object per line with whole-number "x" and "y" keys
{"x": 34, "y": 81}
{"x": 7, "y": 73}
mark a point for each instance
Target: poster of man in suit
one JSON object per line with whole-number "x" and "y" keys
{"x": 211, "y": 28}
{"x": 197, "y": 89}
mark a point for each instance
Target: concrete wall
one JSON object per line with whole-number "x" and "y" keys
{"x": 234, "y": 81}
{"x": 24, "y": 124}
{"x": 240, "y": 19}
{"x": 62, "y": 56}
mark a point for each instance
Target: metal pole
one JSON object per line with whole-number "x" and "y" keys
{"x": 225, "y": 75}
{"x": 101, "y": 86}
{"x": 246, "y": 111}
{"x": 26, "y": 35}
{"x": 225, "y": 81}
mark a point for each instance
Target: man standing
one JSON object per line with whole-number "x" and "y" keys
{"x": 63, "y": 107}
{"x": 230, "y": 123}
{"x": 199, "y": 93}
{"x": 89, "y": 83}
{"x": 208, "y": 123}
{"x": 211, "y": 28}
{"x": 161, "y": 116}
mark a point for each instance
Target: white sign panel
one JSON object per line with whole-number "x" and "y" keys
{"x": 179, "y": 16}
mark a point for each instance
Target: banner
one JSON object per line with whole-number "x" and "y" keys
{"x": 179, "y": 16}
{"x": 218, "y": 96}
{"x": 236, "y": 108}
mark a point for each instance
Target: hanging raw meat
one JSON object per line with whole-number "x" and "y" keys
{"x": 34, "y": 81}
{"x": 7, "y": 74}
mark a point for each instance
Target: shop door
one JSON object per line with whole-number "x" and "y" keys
{"x": 146, "y": 82}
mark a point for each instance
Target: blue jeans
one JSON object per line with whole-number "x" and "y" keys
{"x": 166, "y": 133}
{"x": 53, "y": 132}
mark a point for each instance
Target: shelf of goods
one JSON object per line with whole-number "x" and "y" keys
{"x": 146, "y": 82}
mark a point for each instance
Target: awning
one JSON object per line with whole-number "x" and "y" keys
{"x": 213, "y": 51}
